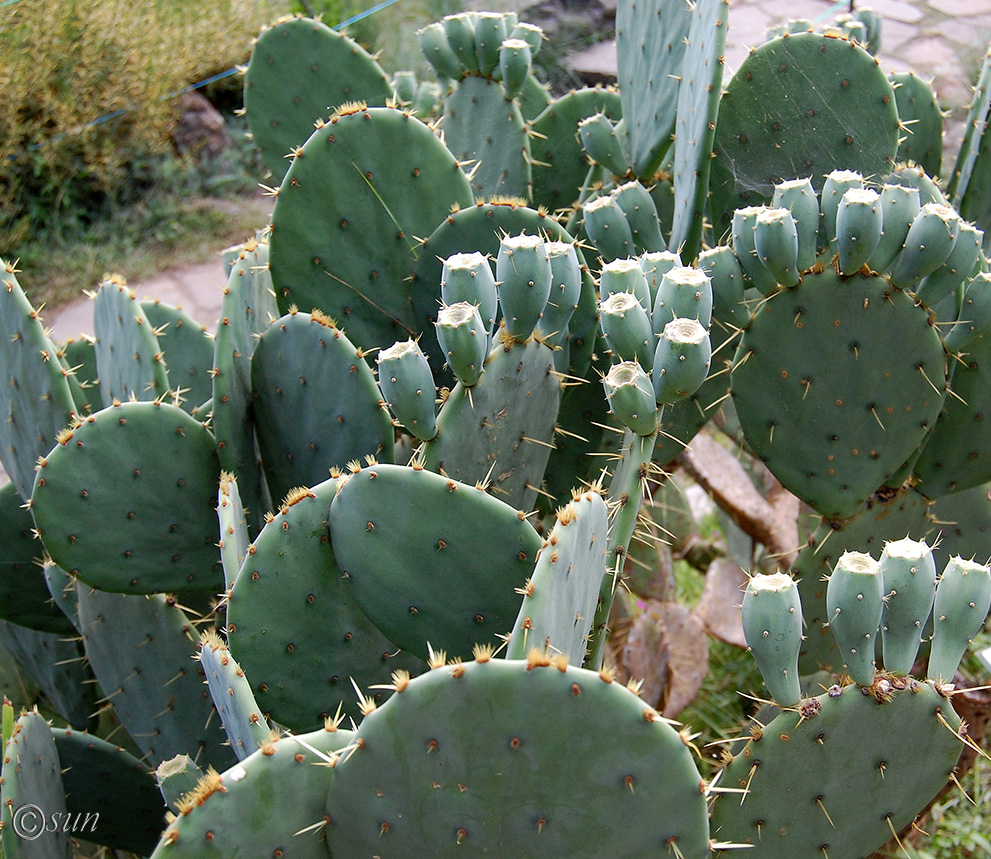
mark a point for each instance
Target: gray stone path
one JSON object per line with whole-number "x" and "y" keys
{"x": 943, "y": 40}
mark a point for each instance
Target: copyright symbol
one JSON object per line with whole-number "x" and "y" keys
{"x": 29, "y": 822}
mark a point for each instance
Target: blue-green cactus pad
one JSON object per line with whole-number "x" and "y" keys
{"x": 490, "y": 758}
{"x": 840, "y": 781}
{"x": 126, "y": 501}
{"x": 270, "y": 804}
{"x": 486, "y": 132}
{"x": 141, "y": 651}
{"x": 294, "y": 626}
{"x": 502, "y": 428}
{"x": 316, "y": 403}
{"x": 833, "y": 432}
{"x": 188, "y": 349}
{"x": 559, "y": 162}
{"x": 36, "y": 401}
{"x": 774, "y": 124}
{"x": 31, "y": 793}
{"x": 430, "y": 560}
{"x": 347, "y": 222}
{"x": 129, "y": 358}
{"x": 300, "y": 70}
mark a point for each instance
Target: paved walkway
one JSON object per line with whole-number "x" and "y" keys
{"x": 943, "y": 40}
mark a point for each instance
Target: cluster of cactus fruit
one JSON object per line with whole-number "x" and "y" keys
{"x": 423, "y": 546}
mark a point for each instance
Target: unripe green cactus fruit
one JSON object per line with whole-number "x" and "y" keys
{"x": 776, "y": 244}
{"x": 603, "y": 143}
{"x": 438, "y": 51}
{"x": 407, "y": 385}
{"x": 515, "y": 61}
{"x": 798, "y": 196}
{"x": 744, "y": 223}
{"x": 641, "y": 214}
{"x": 854, "y": 601}
{"x": 681, "y": 360}
{"x": 626, "y": 327}
{"x": 684, "y": 293}
{"x": 608, "y": 228}
{"x": 858, "y": 228}
{"x": 837, "y": 183}
{"x": 929, "y": 241}
{"x": 655, "y": 264}
{"x": 772, "y": 624}
{"x": 625, "y": 275}
{"x": 464, "y": 340}
{"x": 909, "y": 574}
{"x": 523, "y": 273}
{"x": 631, "y": 397}
{"x": 963, "y": 596}
{"x": 468, "y": 277}
{"x": 490, "y": 33}
{"x": 566, "y": 287}
{"x": 899, "y": 206}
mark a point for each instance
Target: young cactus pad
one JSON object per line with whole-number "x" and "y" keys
{"x": 431, "y": 561}
{"x": 508, "y": 758}
{"x": 772, "y": 624}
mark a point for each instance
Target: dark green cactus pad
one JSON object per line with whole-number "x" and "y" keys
{"x": 501, "y": 429}
{"x": 37, "y": 401}
{"x": 964, "y": 525}
{"x": 24, "y": 596}
{"x": 840, "y": 776}
{"x": 129, "y": 358}
{"x": 316, "y": 403}
{"x": 888, "y": 515}
{"x": 560, "y": 598}
{"x": 694, "y": 130}
{"x": 487, "y": 134}
{"x": 31, "y": 793}
{"x": 102, "y": 778}
{"x": 833, "y": 432}
{"x": 188, "y": 349}
{"x": 955, "y": 455}
{"x": 430, "y": 560}
{"x": 126, "y": 501}
{"x": 285, "y": 783}
{"x": 848, "y": 120}
{"x": 479, "y": 759}
{"x": 559, "y": 162}
{"x": 651, "y": 41}
{"x": 300, "y": 70}
{"x": 55, "y": 664}
{"x": 347, "y": 218}
{"x": 478, "y": 229}
{"x": 294, "y": 626}
{"x": 246, "y": 311}
{"x": 922, "y": 122}
{"x": 62, "y": 588}
{"x": 141, "y": 650}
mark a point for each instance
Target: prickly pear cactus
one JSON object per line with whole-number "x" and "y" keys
{"x": 447, "y": 765}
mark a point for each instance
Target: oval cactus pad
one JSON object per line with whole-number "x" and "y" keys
{"x": 509, "y": 758}
{"x": 126, "y": 501}
{"x": 430, "y": 560}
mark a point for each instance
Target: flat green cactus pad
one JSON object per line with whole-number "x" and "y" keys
{"x": 270, "y": 804}
{"x": 514, "y": 758}
{"x": 836, "y": 383}
{"x": 126, "y": 501}
{"x": 315, "y": 401}
{"x": 36, "y": 401}
{"x": 300, "y": 70}
{"x": 294, "y": 626}
{"x": 774, "y": 126}
{"x": 347, "y": 220}
{"x": 188, "y": 349}
{"x": 839, "y": 781}
{"x": 431, "y": 561}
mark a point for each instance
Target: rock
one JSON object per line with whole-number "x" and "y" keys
{"x": 200, "y": 130}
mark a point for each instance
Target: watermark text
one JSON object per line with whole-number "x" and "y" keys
{"x": 29, "y": 821}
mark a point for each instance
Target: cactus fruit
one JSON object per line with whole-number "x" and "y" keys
{"x": 963, "y": 597}
{"x": 631, "y": 397}
{"x": 908, "y": 571}
{"x": 772, "y": 623}
{"x": 408, "y": 387}
{"x": 854, "y": 603}
{"x": 681, "y": 360}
